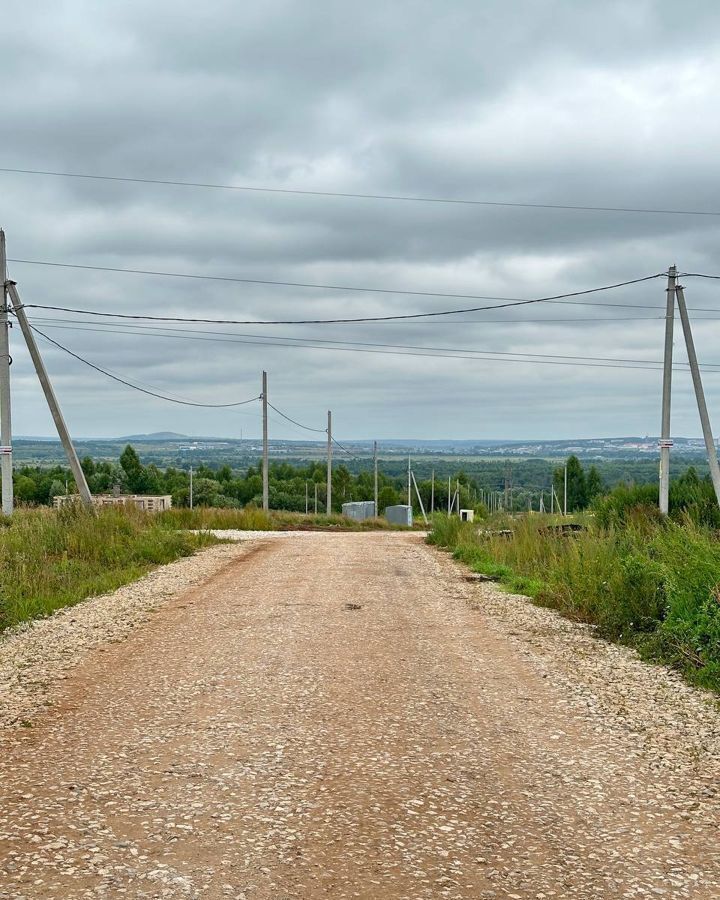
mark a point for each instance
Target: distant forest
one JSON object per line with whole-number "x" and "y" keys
{"x": 292, "y": 480}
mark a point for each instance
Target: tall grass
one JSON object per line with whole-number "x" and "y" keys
{"x": 50, "y": 559}
{"x": 651, "y": 584}
{"x": 253, "y": 519}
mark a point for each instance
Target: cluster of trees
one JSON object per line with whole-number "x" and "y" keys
{"x": 582, "y": 488}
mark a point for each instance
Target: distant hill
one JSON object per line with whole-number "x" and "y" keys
{"x": 155, "y": 436}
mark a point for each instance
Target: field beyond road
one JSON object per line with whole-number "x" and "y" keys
{"x": 343, "y": 715}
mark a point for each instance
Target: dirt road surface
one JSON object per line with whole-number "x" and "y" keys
{"x": 343, "y": 716}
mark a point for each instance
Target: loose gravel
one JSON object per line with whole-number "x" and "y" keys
{"x": 343, "y": 715}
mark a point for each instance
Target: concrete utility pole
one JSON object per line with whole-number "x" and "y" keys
{"x": 565, "y": 492}
{"x": 191, "y": 488}
{"x": 307, "y": 498}
{"x": 316, "y": 498}
{"x": 6, "y": 462}
{"x": 329, "y": 464}
{"x": 266, "y": 449}
{"x": 375, "y": 467}
{"x": 409, "y": 503}
{"x": 699, "y": 392}
{"x": 52, "y": 401}
{"x": 665, "y": 440}
{"x": 448, "y": 495}
{"x": 432, "y": 492}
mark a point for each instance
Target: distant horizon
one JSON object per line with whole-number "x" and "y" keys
{"x": 175, "y": 436}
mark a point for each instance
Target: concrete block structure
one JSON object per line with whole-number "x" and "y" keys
{"x": 399, "y": 515}
{"x": 467, "y": 515}
{"x": 139, "y": 501}
{"x": 359, "y": 510}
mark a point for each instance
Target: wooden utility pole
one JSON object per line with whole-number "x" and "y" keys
{"x": 699, "y": 392}
{"x": 329, "y": 464}
{"x": 665, "y": 439}
{"x": 266, "y": 449}
{"x": 375, "y": 468}
{"x": 52, "y": 401}
{"x": 6, "y": 462}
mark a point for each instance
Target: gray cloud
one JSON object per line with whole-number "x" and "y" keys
{"x": 606, "y": 104}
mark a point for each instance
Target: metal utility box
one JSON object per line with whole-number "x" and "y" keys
{"x": 399, "y": 515}
{"x": 359, "y": 510}
{"x": 467, "y": 515}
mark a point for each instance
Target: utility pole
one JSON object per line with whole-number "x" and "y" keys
{"x": 316, "y": 498}
{"x": 565, "y": 492}
{"x": 307, "y": 498}
{"x": 432, "y": 493}
{"x": 665, "y": 439}
{"x": 266, "y": 449}
{"x": 409, "y": 503}
{"x": 448, "y": 495}
{"x": 52, "y": 401}
{"x": 6, "y": 462}
{"x": 191, "y": 487}
{"x": 375, "y": 468}
{"x": 699, "y": 392}
{"x": 329, "y": 464}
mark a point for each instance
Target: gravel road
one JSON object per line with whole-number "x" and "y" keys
{"x": 343, "y": 715}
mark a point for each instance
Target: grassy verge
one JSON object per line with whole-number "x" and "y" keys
{"x": 50, "y": 559}
{"x": 652, "y": 585}
{"x": 250, "y": 519}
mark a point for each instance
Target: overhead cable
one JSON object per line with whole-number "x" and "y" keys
{"x": 135, "y": 386}
{"x": 361, "y": 196}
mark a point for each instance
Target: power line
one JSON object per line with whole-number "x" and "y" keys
{"x": 602, "y": 362}
{"x": 405, "y": 316}
{"x": 507, "y": 301}
{"x": 358, "y": 196}
{"x": 261, "y": 340}
{"x": 135, "y": 386}
{"x": 294, "y": 422}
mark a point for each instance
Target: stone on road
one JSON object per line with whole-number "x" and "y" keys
{"x": 342, "y": 715}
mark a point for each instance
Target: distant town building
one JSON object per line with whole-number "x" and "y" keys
{"x": 145, "y": 503}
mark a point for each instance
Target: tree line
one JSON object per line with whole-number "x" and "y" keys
{"x": 224, "y": 486}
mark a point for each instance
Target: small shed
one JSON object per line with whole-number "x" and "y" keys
{"x": 359, "y": 510}
{"x": 467, "y": 515}
{"x": 399, "y": 515}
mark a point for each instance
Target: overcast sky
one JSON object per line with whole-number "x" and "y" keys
{"x": 595, "y": 103}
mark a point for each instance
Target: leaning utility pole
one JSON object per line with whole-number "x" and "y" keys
{"x": 375, "y": 467}
{"x": 6, "y": 462}
{"x": 699, "y": 392}
{"x": 665, "y": 439}
{"x": 52, "y": 401}
{"x": 329, "y": 464}
{"x": 266, "y": 451}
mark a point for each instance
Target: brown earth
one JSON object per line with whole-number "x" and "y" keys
{"x": 329, "y": 716}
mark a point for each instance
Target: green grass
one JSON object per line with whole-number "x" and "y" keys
{"x": 252, "y": 519}
{"x": 650, "y": 584}
{"x": 50, "y": 559}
